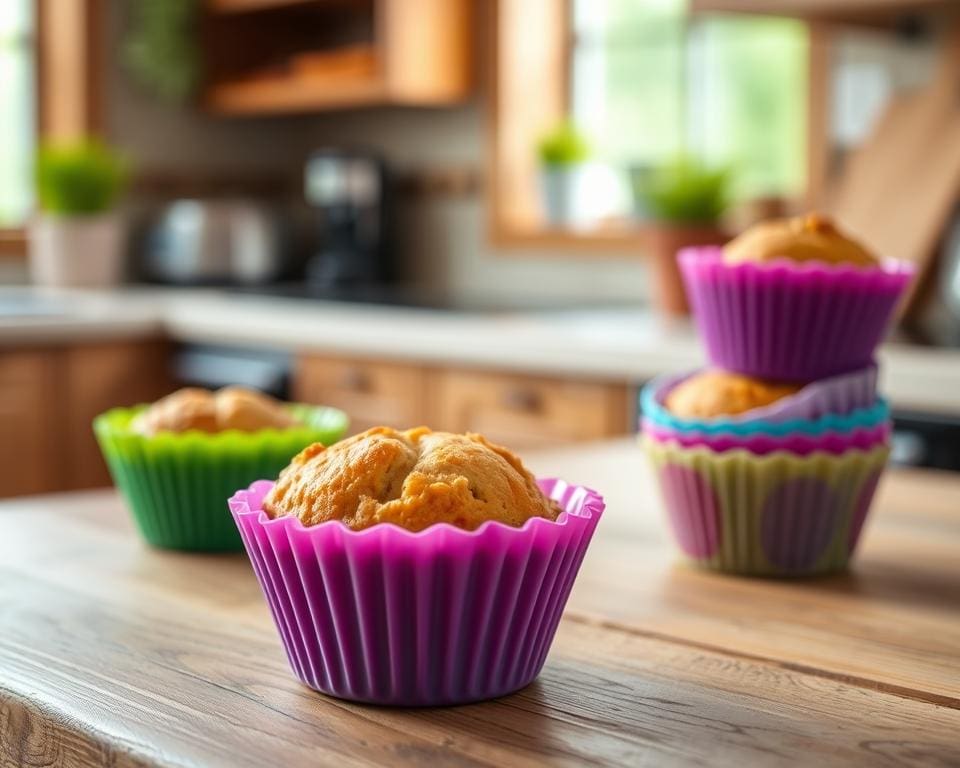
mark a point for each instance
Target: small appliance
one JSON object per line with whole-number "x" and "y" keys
{"x": 348, "y": 193}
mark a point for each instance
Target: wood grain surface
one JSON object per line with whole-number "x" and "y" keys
{"x": 115, "y": 654}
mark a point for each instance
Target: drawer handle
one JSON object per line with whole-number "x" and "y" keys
{"x": 527, "y": 400}
{"x": 356, "y": 379}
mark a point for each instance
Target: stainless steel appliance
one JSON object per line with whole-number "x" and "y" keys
{"x": 348, "y": 193}
{"x": 216, "y": 241}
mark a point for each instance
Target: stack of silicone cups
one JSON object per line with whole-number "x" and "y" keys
{"x": 176, "y": 485}
{"x": 441, "y": 616}
{"x": 782, "y": 490}
{"x": 781, "y": 495}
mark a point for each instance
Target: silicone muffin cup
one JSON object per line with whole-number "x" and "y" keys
{"x": 862, "y": 418}
{"x": 177, "y": 484}
{"x": 838, "y": 395}
{"x": 443, "y": 616}
{"x": 796, "y": 443}
{"x": 773, "y": 515}
{"x": 789, "y": 321}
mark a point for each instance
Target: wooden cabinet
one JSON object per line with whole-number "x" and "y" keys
{"x": 517, "y": 410}
{"x": 268, "y": 56}
{"x": 48, "y": 399}
{"x": 372, "y": 393}
{"x": 95, "y": 378}
{"x": 29, "y": 449}
{"x": 524, "y": 411}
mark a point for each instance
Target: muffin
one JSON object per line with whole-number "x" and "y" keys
{"x": 792, "y": 300}
{"x": 806, "y": 238}
{"x": 712, "y": 393}
{"x": 177, "y": 461}
{"x": 412, "y": 479}
{"x": 415, "y": 568}
{"x": 197, "y": 409}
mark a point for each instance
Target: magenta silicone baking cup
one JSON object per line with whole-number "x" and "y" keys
{"x": 789, "y": 321}
{"x": 797, "y": 443}
{"x": 841, "y": 394}
{"x": 442, "y": 616}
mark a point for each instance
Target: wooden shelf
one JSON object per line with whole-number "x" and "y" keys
{"x": 247, "y": 6}
{"x": 847, "y": 11}
{"x": 372, "y": 52}
{"x": 291, "y": 94}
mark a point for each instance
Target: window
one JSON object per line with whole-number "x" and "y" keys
{"x": 648, "y": 82}
{"x": 17, "y": 111}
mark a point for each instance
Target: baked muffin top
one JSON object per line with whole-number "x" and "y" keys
{"x": 714, "y": 393}
{"x": 413, "y": 479}
{"x": 199, "y": 409}
{"x": 806, "y": 238}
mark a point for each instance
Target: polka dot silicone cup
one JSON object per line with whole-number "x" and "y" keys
{"x": 773, "y": 515}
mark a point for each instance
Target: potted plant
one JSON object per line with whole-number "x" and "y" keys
{"x": 685, "y": 199}
{"x": 76, "y": 238}
{"x": 562, "y": 152}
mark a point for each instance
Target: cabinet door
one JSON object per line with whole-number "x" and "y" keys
{"x": 371, "y": 393}
{"x": 97, "y": 377}
{"x": 30, "y": 459}
{"x": 526, "y": 411}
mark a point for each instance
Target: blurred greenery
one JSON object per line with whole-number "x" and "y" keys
{"x": 79, "y": 179}
{"x": 686, "y": 191}
{"x": 18, "y": 109}
{"x": 563, "y": 146}
{"x": 649, "y": 81}
{"x": 161, "y": 49}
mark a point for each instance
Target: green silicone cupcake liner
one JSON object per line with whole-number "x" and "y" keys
{"x": 177, "y": 484}
{"x": 774, "y": 515}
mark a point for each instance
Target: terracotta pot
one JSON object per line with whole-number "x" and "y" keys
{"x": 76, "y": 251}
{"x": 665, "y": 241}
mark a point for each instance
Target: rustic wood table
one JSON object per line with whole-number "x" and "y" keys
{"x": 112, "y": 653}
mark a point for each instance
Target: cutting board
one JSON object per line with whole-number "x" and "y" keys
{"x": 899, "y": 189}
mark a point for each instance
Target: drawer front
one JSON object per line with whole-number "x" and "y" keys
{"x": 527, "y": 412}
{"x": 371, "y": 393}
{"x": 30, "y": 459}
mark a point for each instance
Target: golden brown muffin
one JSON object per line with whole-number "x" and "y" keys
{"x": 805, "y": 238}
{"x": 205, "y": 411}
{"x": 412, "y": 479}
{"x": 710, "y": 394}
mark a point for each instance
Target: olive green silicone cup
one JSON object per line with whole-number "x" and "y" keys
{"x": 778, "y": 514}
{"x": 177, "y": 484}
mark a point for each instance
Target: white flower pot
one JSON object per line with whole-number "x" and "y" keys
{"x": 558, "y": 185}
{"x": 77, "y": 251}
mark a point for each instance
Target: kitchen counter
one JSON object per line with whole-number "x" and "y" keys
{"x": 113, "y": 653}
{"x": 616, "y": 344}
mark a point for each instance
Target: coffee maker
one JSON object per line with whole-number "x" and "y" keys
{"x": 348, "y": 196}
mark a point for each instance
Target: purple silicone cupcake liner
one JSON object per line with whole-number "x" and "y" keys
{"x": 443, "y": 616}
{"x": 794, "y": 322}
{"x": 834, "y": 443}
{"x": 841, "y": 394}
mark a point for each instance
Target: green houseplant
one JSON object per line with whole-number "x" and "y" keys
{"x": 685, "y": 199}
{"x": 76, "y": 238}
{"x": 561, "y": 152}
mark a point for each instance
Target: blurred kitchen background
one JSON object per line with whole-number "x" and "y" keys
{"x": 454, "y": 212}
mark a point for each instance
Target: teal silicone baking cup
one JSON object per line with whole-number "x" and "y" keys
{"x": 780, "y": 514}
{"x": 177, "y": 484}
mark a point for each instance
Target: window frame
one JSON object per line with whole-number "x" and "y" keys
{"x": 511, "y": 191}
{"x": 67, "y": 61}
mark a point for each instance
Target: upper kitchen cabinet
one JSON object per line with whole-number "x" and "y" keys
{"x": 274, "y": 56}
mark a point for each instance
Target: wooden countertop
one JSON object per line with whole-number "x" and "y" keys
{"x": 111, "y": 653}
